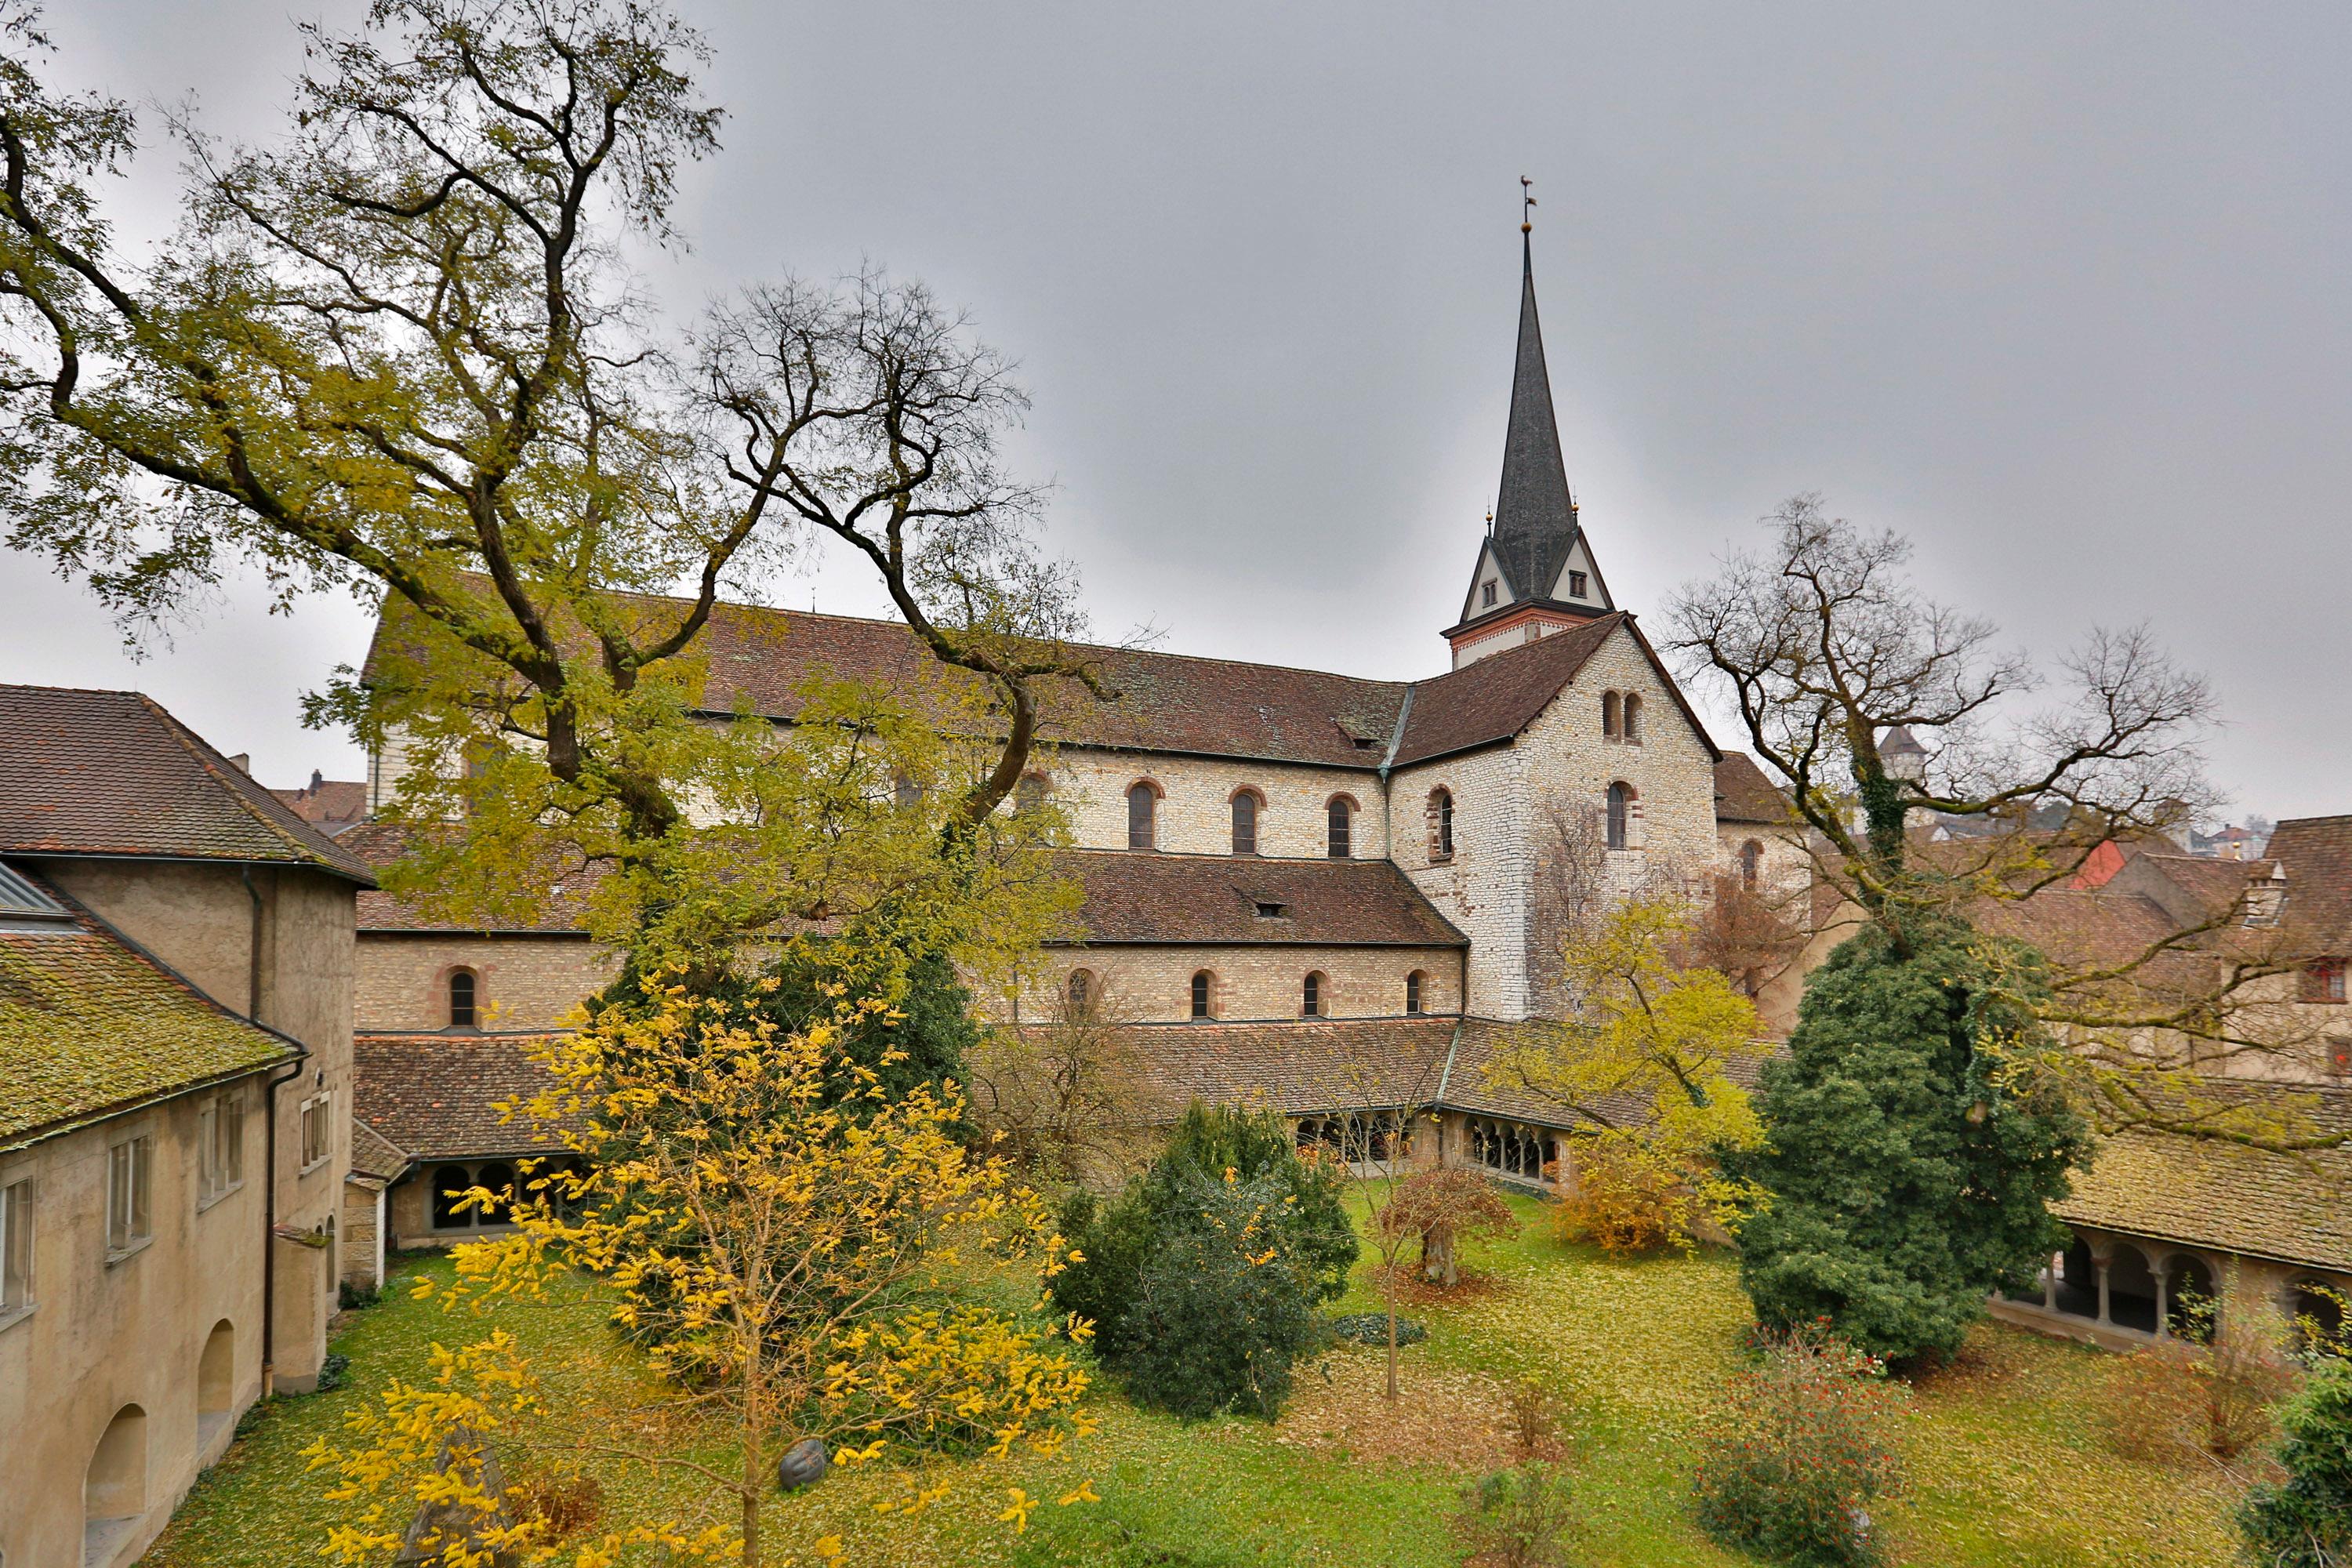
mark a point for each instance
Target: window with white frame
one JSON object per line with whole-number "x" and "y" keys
{"x": 16, "y": 1247}
{"x": 220, "y": 1147}
{"x": 318, "y": 1128}
{"x": 129, "y": 1194}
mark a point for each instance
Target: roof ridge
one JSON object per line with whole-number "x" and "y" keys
{"x": 206, "y": 756}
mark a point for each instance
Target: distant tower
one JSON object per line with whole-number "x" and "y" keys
{"x": 1904, "y": 756}
{"x": 1536, "y": 572}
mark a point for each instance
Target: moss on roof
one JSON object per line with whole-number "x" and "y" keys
{"x": 88, "y": 1023}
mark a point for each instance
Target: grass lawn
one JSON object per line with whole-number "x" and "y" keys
{"x": 2005, "y": 1456}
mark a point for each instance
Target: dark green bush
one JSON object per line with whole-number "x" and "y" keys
{"x": 1524, "y": 1517}
{"x": 2306, "y": 1521}
{"x": 1222, "y": 1308}
{"x": 1799, "y": 1448}
{"x": 1119, "y": 1239}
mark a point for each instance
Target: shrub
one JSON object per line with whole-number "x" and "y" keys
{"x": 1118, "y": 1240}
{"x": 1441, "y": 1208}
{"x": 2306, "y": 1521}
{"x": 1534, "y": 1417}
{"x": 1626, "y": 1201}
{"x": 1521, "y": 1518}
{"x": 1223, "y": 1309}
{"x": 353, "y": 1298}
{"x": 1798, "y": 1447}
{"x": 2173, "y": 1399}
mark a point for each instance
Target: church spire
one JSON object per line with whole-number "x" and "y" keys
{"x": 1535, "y": 569}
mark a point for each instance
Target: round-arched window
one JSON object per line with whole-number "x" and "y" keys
{"x": 1633, "y": 720}
{"x": 1440, "y": 825}
{"x": 1751, "y": 862}
{"x": 1081, "y": 991}
{"x": 1246, "y": 805}
{"x": 1202, "y": 985}
{"x": 1142, "y": 815}
{"x": 1312, "y": 997}
{"x": 1608, "y": 715}
{"x": 1414, "y": 985}
{"x": 463, "y": 1012}
{"x": 1340, "y": 818}
{"x": 1620, "y": 815}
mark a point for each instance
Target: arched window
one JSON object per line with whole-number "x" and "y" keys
{"x": 1143, "y": 815}
{"x": 1245, "y": 804}
{"x": 1341, "y": 816}
{"x": 450, "y": 1184}
{"x": 1752, "y": 859}
{"x": 1608, "y": 715}
{"x": 1201, "y": 986}
{"x": 500, "y": 1179}
{"x": 1633, "y": 720}
{"x": 2314, "y": 1311}
{"x": 115, "y": 1485}
{"x": 1030, "y": 793}
{"x": 1081, "y": 991}
{"x": 217, "y": 1372}
{"x": 1413, "y": 990}
{"x": 1311, "y": 999}
{"x": 462, "y": 1015}
{"x": 1620, "y": 815}
{"x": 1440, "y": 825}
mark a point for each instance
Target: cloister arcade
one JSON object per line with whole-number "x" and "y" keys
{"x": 2122, "y": 1290}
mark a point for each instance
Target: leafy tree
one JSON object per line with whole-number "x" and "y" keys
{"x": 1224, "y": 1307}
{"x": 802, "y": 1306}
{"x": 2306, "y": 1521}
{"x": 399, "y": 350}
{"x": 1908, "y": 1172}
{"x": 1118, "y": 1241}
{"x": 1645, "y": 1054}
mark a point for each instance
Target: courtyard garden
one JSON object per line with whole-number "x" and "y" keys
{"x": 2006, "y": 1455}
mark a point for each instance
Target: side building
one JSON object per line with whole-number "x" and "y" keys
{"x": 176, "y": 994}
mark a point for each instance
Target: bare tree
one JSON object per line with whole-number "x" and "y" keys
{"x": 1062, "y": 1092}
{"x": 1823, "y": 646}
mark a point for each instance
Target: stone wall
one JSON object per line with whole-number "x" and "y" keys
{"x": 103, "y": 1337}
{"x": 1195, "y": 808}
{"x": 520, "y": 981}
{"x": 1154, "y": 985}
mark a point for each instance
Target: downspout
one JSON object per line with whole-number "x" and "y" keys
{"x": 270, "y": 1146}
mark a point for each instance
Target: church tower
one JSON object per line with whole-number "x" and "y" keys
{"x": 1536, "y": 573}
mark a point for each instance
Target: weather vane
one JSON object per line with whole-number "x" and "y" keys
{"x": 1527, "y": 204}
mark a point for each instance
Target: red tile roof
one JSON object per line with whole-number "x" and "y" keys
{"x": 331, "y": 804}
{"x": 1742, "y": 793}
{"x": 2317, "y": 854}
{"x": 110, "y": 772}
{"x": 1134, "y": 895}
{"x": 88, "y": 1021}
{"x": 1292, "y": 1066}
{"x": 437, "y": 1096}
{"x": 758, "y": 658}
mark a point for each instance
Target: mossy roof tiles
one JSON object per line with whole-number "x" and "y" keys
{"x": 88, "y": 1023}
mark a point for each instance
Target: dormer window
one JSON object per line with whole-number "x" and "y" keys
{"x": 1266, "y": 911}
{"x": 1576, "y": 584}
{"x": 1486, "y": 594}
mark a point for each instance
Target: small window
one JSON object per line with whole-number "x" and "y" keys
{"x": 1029, "y": 793}
{"x": 1245, "y": 823}
{"x": 318, "y": 1128}
{"x": 1311, "y": 1000}
{"x": 1751, "y": 862}
{"x": 1413, "y": 992}
{"x": 16, "y": 1247}
{"x": 1266, "y": 911}
{"x": 1142, "y": 811}
{"x": 130, "y": 1189}
{"x": 220, "y": 1147}
{"x": 1633, "y": 720}
{"x": 1201, "y": 987}
{"x": 463, "y": 1013}
{"x": 2324, "y": 980}
{"x": 1576, "y": 584}
{"x": 906, "y": 790}
{"x": 1608, "y": 715}
{"x": 1621, "y": 816}
{"x": 1081, "y": 991}
{"x": 1440, "y": 825}
{"x": 1340, "y": 814}
{"x": 1486, "y": 594}
{"x": 450, "y": 1185}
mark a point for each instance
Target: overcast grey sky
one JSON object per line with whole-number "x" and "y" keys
{"x": 2063, "y": 292}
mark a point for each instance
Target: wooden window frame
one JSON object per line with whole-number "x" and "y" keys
{"x": 1339, "y": 828}
{"x": 19, "y": 1284}
{"x": 1256, "y": 809}
{"x": 1152, "y": 795}
{"x": 1201, "y": 994}
{"x": 130, "y": 1195}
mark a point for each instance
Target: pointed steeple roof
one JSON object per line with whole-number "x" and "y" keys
{"x": 1534, "y": 519}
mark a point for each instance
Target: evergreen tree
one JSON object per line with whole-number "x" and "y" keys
{"x": 2306, "y": 1521}
{"x": 1906, "y": 1178}
{"x": 1119, "y": 1240}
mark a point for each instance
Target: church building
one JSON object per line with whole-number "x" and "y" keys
{"x": 1303, "y": 890}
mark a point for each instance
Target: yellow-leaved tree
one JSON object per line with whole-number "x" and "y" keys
{"x": 1649, "y": 1056}
{"x": 780, "y": 1256}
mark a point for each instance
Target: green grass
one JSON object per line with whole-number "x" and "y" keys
{"x": 2005, "y": 1456}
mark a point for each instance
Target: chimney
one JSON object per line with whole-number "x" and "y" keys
{"x": 242, "y": 763}
{"x": 317, "y": 779}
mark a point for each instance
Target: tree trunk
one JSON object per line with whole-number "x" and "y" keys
{"x": 1437, "y": 1264}
{"x": 1392, "y": 1381}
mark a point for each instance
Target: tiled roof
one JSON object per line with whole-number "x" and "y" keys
{"x": 2297, "y": 1207}
{"x": 331, "y": 805}
{"x": 379, "y": 844}
{"x": 1742, "y": 793}
{"x": 110, "y": 772}
{"x": 1167, "y": 703}
{"x": 2317, "y": 854}
{"x": 1294, "y": 1067}
{"x": 436, "y": 1096}
{"x": 88, "y": 1023}
{"x": 372, "y": 1154}
{"x": 1139, "y": 897}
